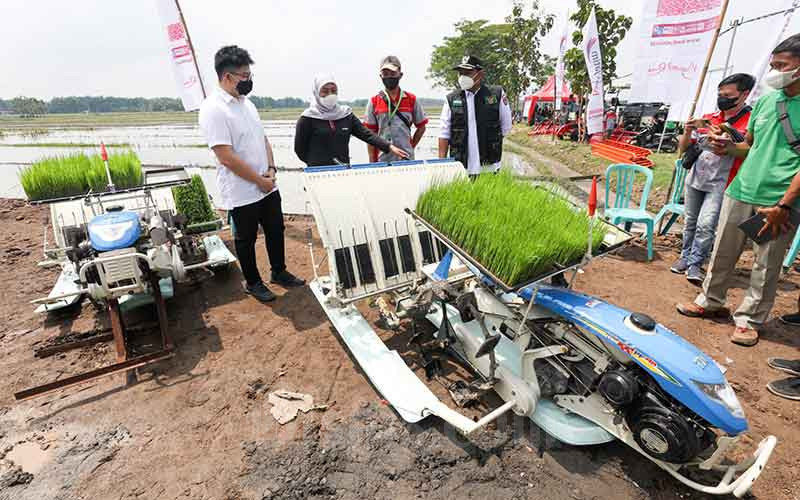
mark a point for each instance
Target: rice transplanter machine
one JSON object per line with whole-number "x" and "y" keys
{"x": 584, "y": 371}
{"x": 123, "y": 249}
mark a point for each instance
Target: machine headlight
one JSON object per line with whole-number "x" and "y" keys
{"x": 113, "y": 232}
{"x": 724, "y": 395}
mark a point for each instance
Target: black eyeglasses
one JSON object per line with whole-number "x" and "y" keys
{"x": 244, "y": 76}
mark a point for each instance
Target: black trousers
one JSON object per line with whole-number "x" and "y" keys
{"x": 245, "y": 221}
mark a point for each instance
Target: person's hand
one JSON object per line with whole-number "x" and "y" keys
{"x": 777, "y": 221}
{"x": 690, "y": 125}
{"x": 398, "y": 152}
{"x": 721, "y": 143}
{"x": 266, "y": 183}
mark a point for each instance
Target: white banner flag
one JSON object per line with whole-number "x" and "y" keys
{"x": 673, "y": 44}
{"x": 595, "y": 108}
{"x": 562, "y": 49}
{"x": 181, "y": 58}
{"x": 763, "y": 64}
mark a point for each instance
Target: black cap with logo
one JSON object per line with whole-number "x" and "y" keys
{"x": 470, "y": 63}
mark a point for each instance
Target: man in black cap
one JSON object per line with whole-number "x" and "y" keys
{"x": 474, "y": 120}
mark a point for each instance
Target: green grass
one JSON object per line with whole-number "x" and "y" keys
{"x": 76, "y": 174}
{"x": 579, "y": 157}
{"x": 512, "y": 228}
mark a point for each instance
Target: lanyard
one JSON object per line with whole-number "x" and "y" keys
{"x": 396, "y": 108}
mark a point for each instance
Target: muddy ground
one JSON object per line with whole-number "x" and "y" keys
{"x": 198, "y": 426}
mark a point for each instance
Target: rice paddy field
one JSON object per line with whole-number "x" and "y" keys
{"x": 162, "y": 139}
{"x": 514, "y": 229}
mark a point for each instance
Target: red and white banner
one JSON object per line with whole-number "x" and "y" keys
{"x": 562, "y": 49}
{"x": 673, "y": 44}
{"x": 181, "y": 58}
{"x": 595, "y": 108}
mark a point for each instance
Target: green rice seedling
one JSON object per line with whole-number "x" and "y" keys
{"x": 515, "y": 230}
{"x": 191, "y": 200}
{"x": 125, "y": 168}
{"x": 78, "y": 173}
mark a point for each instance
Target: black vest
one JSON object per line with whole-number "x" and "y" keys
{"x": 487, "y": 119}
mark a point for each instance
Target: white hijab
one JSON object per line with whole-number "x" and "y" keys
{"x": 318, "y": 110}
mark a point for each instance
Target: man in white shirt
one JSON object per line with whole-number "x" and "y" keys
{"x": 245, "y": 170}
{"x": 474, "y": 120}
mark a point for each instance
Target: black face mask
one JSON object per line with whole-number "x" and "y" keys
{"x": 244, "y": 86}
{"x": 391, "y": 82}
{"x": 726, "y": 103}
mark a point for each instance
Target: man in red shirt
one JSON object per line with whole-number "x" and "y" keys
{"x": 711, "y": 173}
{"x": 392, "y": 113}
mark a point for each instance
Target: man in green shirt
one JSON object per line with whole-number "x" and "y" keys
{"x": 767, "y": 183}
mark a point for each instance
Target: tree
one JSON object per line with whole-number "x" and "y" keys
{"x": 547, "y": 68}
{"x": 510, "y": 51}
{"x": 611, "y": 29}
{"x": 525, "y": 62}
{"x": 28, "y": 106}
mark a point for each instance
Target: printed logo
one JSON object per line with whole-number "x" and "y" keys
{"x": 176, "y": 32}
{"x": 684, "y": 7}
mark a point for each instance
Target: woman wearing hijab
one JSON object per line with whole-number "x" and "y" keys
{"x": 323, "y": 131}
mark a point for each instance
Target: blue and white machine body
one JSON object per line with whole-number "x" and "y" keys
{"x": 114, "y": 231}
{"x": 681, "y": 369}
{"x": 376, "y": 248}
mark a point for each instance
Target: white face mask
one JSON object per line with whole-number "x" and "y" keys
{"x": 781, "y": 79}
{"x": 466, "y": 82}
{"x": 330, "y": 101}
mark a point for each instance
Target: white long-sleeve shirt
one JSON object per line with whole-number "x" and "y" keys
{"x": 473, "y": 153}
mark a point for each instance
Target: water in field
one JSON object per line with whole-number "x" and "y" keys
{"x": 181, "y": 145}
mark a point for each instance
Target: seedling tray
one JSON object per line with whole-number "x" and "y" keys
{"x": 615, "y": 238}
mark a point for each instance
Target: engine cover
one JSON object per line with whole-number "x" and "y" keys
{"x": 664, "y": 434}
{"x": 113, "y": 231}
{"x": 619, "y": 387}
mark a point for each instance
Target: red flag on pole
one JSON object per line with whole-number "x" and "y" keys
{"x": 103, "y": 152}
{"x": 593, "y": 197}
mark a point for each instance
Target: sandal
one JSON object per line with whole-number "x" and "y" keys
{"x": 692, "y": 310}
{"x": 747, "y": 337}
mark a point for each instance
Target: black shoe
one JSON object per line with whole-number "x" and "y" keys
{"x": 791, "y": 319}
{"x": 286, "y": 279}
{"x": 792, "y": 367}
{"x": 260, "y": 292}
{"x": 788, "y": 388}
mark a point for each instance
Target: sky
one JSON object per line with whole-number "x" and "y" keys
{"x": 117, "y": 47}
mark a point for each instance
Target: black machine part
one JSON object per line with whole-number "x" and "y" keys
{"x": 662, "y": 427}
{"x": 619, "y": 387}
{"x": 665, "y": 434}
{"x": 643, "y": 322}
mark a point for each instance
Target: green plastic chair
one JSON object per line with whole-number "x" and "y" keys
{"x": 618, "y": 209}
{"x": 674, "y": 206}
{"x": 791, "y": 255}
